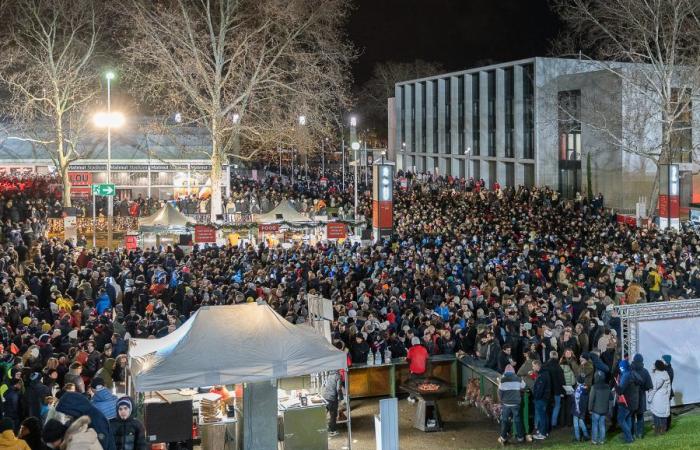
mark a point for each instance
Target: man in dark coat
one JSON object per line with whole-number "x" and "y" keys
{"x": 638, "y": 417}
{"x": 557, "y": 382}
{"x": 35, "y": 394}
{"x": 128, "y": 432}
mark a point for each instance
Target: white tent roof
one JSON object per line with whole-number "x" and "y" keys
{"x": 167, "y": 216}
{"x": 284, "y": 212}
{"x": 229, "y": 345}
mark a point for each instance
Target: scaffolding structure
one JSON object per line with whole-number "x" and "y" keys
{"x": 631, "y": 315}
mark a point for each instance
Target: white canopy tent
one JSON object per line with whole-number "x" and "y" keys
{"x": 284, "y": 212}
{"x": 230, "y": 345}
{"x": 166, "y": 217}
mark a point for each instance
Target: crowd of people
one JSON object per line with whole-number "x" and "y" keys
{"x": 519, "y": 279}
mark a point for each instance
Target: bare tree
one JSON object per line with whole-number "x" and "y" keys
{"x": 48, "y": 66}
{"x": 653, "y": 46}
{"x": 373, "y": 94}
{"x": 243, "y": 69}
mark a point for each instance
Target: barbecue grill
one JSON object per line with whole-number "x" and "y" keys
{"x": 427, "y": 414}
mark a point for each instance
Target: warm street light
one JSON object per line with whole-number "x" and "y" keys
{"x": 109, "y": 119}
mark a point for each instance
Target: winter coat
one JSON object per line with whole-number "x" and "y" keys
{"x": 658, "y": 397}
{"x": 8, "y": 441}
{"x": 106, "y": 372}
{"x": 587, "y": 370}
{"x": 128, "y": 434}
{"x": 524, "y": 374}
{"x": 569, "y": 375}
{"x": 509, "y": 389}
{"x": 80, "y": 437}
{"x": 556, "y": 376}
{"x": 542, "y": 389}
{"x": 106, "y": 402}
{"x": 76, "y": 405}
{"x": 76, "y": 379}
{"x": 599, "y": 396}
{"x": 580, "y": 406}
{"x": 34, "y": 397}
{"x": 645, "y": 381}
{"x": 331, "y": 390}
{"x": 628, "y": 386}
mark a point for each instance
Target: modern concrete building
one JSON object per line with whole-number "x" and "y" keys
{"x": 536, "y": 121}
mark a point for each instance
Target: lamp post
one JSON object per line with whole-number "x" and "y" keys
{"x": 302, "y": 122}
{"x": 468, "y": 153}
{"x": 109, "y": 120}
{"x": 355, "y": 147}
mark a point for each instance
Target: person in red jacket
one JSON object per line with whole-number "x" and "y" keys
{"x": 417, "y": 358}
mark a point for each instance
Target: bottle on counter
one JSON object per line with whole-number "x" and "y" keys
{"x": 378, "y": 358}
{"x": 387, "y": 356}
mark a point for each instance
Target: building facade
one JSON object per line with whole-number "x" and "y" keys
{"x": 143, "y": 163}
{"x": 538, "y": 121}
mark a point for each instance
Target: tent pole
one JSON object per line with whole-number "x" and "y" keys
{"x": 347, "y": 407}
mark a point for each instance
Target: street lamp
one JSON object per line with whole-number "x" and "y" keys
{"x": 109, "y": 120}
{"x": 468, "y": 153}
{"x": 302, "y": 122}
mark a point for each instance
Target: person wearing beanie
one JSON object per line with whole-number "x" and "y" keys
{"x": 53, "y": 433}
{"x": 128, "y": 432}
{"x": 103, "y": 399}
{"x": 8, "y": 440}
{"x": 34, "y": 394}
{"x": 638, "y": 416}
{"x": 580, "y": 409}
{"x": 417, "y": 357}
{"x": 627, "y": 388}
{"x": 509, "y": 388}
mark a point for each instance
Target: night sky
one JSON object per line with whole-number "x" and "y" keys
{"x": 459, "y": 34}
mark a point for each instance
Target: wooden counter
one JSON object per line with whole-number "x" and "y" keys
{"x": 383, "y": 380}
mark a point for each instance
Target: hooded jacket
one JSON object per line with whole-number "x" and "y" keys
{"x": 509, "y": 389}
{"x": 628, "y": 387}
{"x": 80, "y": 437}
{"x": 76, "y": 405}
{"x": 660, "y": 393}
{"x": 638, "y": 367}
{"x": 128, "y": 434}
{"x": 8, "y": 441}
{"x": 35, "y": 394}
{"x": 106, "y": 402}
{"x": 600, "y": 395}
{"x": 106, "y": 373}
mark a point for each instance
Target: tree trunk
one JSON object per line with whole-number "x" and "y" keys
{"x": 66, "y": 188}
{"x": 216, "y": 173}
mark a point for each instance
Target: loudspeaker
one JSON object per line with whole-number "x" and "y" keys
{"x": 168, "y": 422}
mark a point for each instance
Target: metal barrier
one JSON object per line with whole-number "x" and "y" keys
{"x": 489, "y": 381}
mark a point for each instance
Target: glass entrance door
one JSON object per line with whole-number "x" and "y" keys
{"x": 569, "y": 182}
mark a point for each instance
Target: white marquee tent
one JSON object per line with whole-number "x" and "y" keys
{"x": 284, "y": 212}
{"x": 230, "y": 345}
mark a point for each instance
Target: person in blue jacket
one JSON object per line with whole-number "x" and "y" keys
{"x": 76, "y": 405}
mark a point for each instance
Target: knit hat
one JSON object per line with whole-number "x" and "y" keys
{"x": 624, "y": 365}
{"x": 53, "y": 431}
{"x": 415, "y": 341}
{"x": 6, "y": 424}
{"x": 639, "y": 359}
{"x": 509, "y": 369}
{"x": 125, "y": 401}
{"x": 667, "y": 359}
{"x": 97, "y": 382}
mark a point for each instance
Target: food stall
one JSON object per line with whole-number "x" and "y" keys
{"x": 164, "y": 227}
{"x": 375, "y": 380}
{"x": 245, "y": 344}
{"x": 284, "y": 224}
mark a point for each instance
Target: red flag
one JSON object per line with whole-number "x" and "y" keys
{"x": 13, "y": 349}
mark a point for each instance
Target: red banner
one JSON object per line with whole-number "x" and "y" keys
{"x": 664, "y": 206}
{"x": 336, "y": 230}
{"x": 130, "y": 242}
{"x": 268, "y": 227}
{"x": 80, "y": 191}
{"x": 80, "y": 178}
{"x": 204, "y": 234}
{"x": 382, "y": 214}
{"x": 629, "y": 220}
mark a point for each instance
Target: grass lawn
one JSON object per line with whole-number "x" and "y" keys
{"x": 685, "y": 433}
